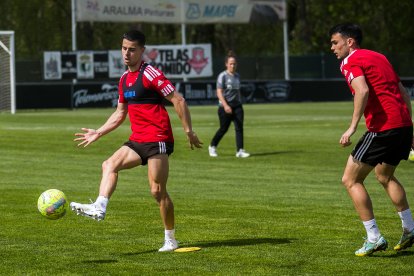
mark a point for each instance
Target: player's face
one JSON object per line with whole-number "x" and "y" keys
{"x": 340, "y": 45}
{"x": 231, "y": 65}
{"x": 132, "y": 53}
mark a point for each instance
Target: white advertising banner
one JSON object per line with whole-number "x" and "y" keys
{"x": 181, "y": 61}
{"x": 52, "y": 66}
{"x": 85, "y": 65}
{"x": 115, "y": 64}
{"x": 182, "y": 11}
{"x": 175, "y": 61}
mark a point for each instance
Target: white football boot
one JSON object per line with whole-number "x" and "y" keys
{"x": 169, "y": 245}
{"x": 212, "y": 151}
{"x": 242, "y": 153}
{"x": 88, "y": 210}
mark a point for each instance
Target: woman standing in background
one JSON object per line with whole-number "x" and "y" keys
{"x": 230, "y": 107}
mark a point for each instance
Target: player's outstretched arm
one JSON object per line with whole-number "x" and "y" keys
{"x": 183, "y": 112}
{"x": 90, "y": 135}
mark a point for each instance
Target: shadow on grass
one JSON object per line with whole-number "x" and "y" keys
{"x": 273, "y": 153}
{"x": 395, "y": 255}
{"x": 139, "y": 253}
{"x": 232, "y": 242}
{"x": 99, "y": 261}
{"x": 238, "y": 242}
{"x": 259, "y": 154}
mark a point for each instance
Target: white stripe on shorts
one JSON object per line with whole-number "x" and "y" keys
{"x": 163, "y": 148}
{"x": 364, "y": 146}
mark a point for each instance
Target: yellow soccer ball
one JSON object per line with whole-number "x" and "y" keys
{"x": 52, "y": 204}
{"x": 411, "y": 156}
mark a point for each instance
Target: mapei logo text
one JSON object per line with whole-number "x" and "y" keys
{"x": 194, "y": 11}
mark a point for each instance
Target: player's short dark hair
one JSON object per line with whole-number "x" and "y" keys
{"x": 135, "y": 35}
{"x": 348, "y": 30}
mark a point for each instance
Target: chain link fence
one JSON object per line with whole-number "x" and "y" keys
{"x": 316, "y": 67}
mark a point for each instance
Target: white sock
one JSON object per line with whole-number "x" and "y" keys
{"x": 373, "y": 232}
{"x": 102, "y": 202}
{"x": 169, "y": 234}
{"x": 406, "y": 220}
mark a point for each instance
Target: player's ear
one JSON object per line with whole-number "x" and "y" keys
{"x": 351, "y": 41}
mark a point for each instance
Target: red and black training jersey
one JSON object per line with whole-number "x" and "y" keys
{"x": 144, "y": 91}
{"x": 385, "y": 108}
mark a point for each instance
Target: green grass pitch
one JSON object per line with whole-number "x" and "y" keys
{"x": 283, "y": 211}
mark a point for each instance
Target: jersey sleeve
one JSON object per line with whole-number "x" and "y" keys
{"x": 155, "y": 79}
{"x": 220, "y": 81}
{"x": 121, "y": 98}
{"x": 351, "y": 72}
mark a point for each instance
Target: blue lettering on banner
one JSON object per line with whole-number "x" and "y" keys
{"x": 220, "y": 11}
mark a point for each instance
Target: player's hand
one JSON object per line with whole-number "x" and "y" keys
{"x": 228, "y": 109}
{"x": 346, "y": 137}
{"x": 88, "y": 136}
{"x": 193, "y": 140}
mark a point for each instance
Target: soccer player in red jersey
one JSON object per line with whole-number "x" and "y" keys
{"x": 142, "y": 89}
{"x": 386, "y": 106}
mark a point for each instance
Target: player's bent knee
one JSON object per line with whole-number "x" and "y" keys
{"x": 383, "y": 179}
{"x": 347, "y": 182}
{"x": 108, "y": 165}
{"x": 157, "y": 193}
{"x": 344, "y": 180}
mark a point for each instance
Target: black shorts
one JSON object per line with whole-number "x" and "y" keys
{"x": 146, "y": 150}
{"x": 390, "y": 146}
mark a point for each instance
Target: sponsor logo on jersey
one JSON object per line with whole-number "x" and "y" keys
{"x": 129, "y": 94}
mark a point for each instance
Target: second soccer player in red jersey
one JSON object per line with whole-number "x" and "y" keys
{"x": 385, "y": 103}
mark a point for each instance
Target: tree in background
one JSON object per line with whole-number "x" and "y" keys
{"x": 45, "y": 25}
{"x": 388, "y": 25}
